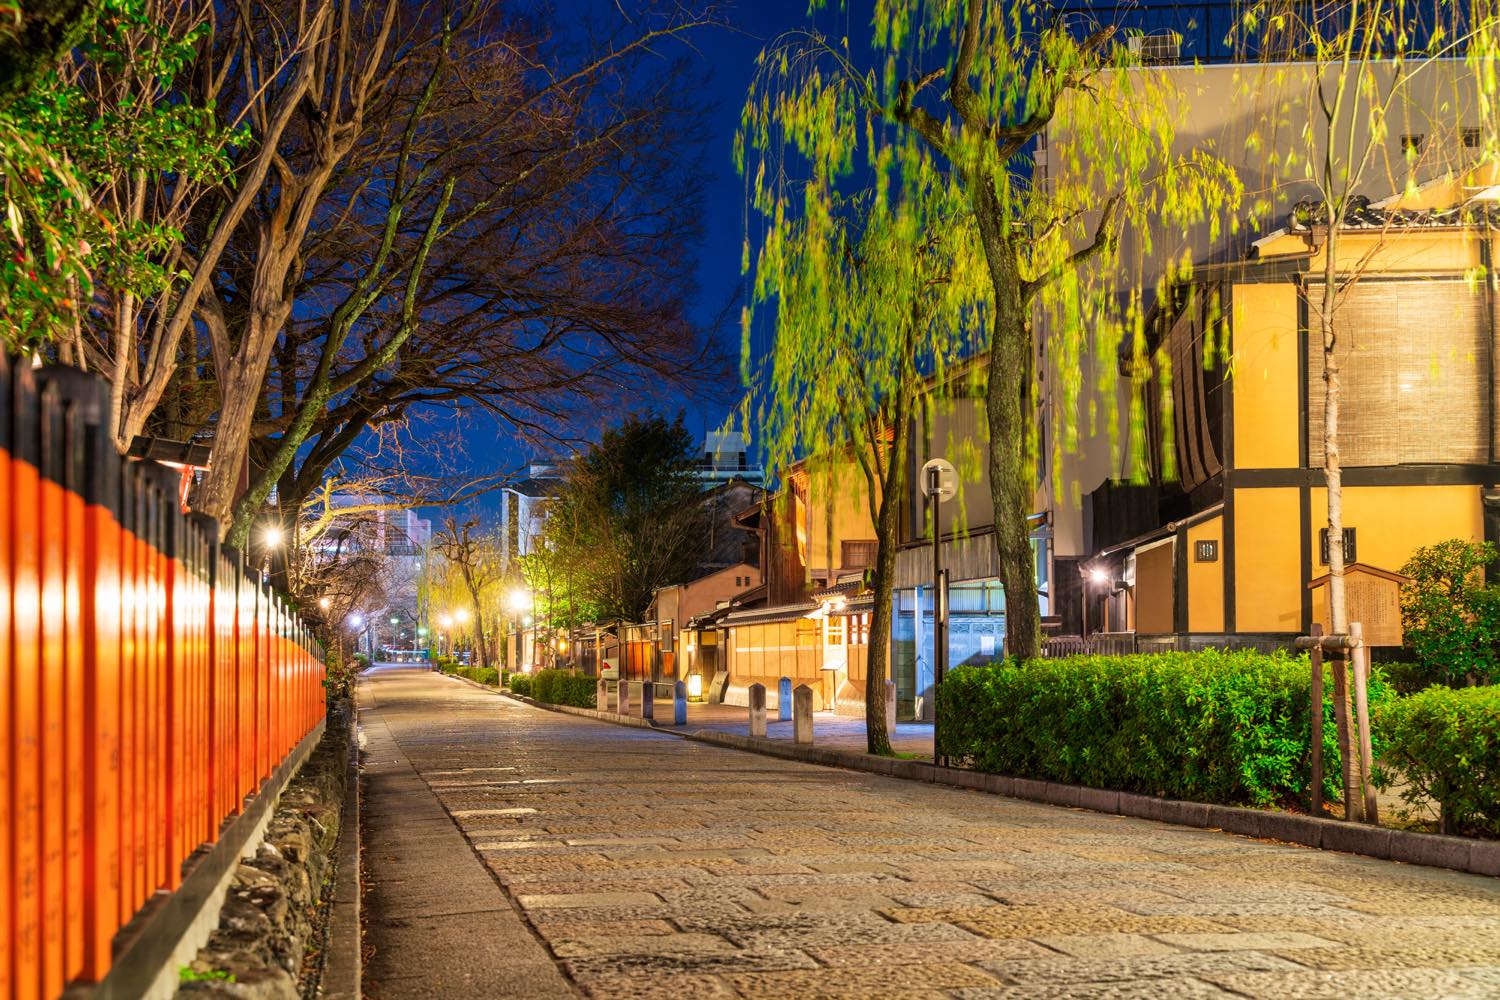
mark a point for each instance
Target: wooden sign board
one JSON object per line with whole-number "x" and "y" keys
{"x": 1373, "y": 597}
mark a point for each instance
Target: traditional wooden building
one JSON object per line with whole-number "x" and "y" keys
{"x": 1227, "y": 542}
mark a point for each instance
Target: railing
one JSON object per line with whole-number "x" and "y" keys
{"x": 148, "y": 684}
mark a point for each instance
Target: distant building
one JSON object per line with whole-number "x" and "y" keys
{"x": 725, "y": 456}
{"x": 523, "y": 510}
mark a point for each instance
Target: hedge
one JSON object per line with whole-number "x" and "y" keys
{"x": 1213, "y": 726}
{"x": 520, "y": 684}
{"x": 560, "y": 687}
{"x": 1445, "y": 742}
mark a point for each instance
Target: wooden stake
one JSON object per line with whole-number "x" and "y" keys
{"x": 1362, "y": 717}
{"x": 1353, "y": 800}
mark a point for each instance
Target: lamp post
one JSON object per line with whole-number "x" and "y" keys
{"x": 462, "y": 617}
{"x": 939, "y": 483}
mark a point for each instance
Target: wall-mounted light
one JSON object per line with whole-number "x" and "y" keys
{"x": 695, "y": 687}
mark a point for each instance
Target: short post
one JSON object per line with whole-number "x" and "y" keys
{"x": 1315, "y": 656}
{"x": 1362, "y": 719}
{"x": 890, "y": 708}
{"x": 784, "y": 700}
{"x": 679, "y": 704}
{"x": 601, "y": 695}
{"x": 622, "y": 696}
{"x": 648, "y": 701}
{"x": 802, "y": 714}
{"x": 758, "y": 710}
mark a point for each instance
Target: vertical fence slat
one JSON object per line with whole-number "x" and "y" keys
{"x": 51, "y": 748}
{"x": 7, "y": 604}
{"x": 25, "y": 694}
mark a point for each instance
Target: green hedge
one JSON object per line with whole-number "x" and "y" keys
{"x": 446, "y": 664}
{"x": 1213, "y": 726}
{"x": 520, "y": 684}
{"x": 560, "y": 687}
{"x": 1446, "y": 743}
{"x": 480, "y": 675}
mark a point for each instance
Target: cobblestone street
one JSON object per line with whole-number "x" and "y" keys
{"x": 639, "y": 864}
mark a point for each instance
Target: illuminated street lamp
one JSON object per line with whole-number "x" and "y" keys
{"x": 270, "y": 539}
{"x": 324, "y": 603}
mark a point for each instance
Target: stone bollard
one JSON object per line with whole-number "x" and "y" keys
{"x": 802, "y": 711}
{"x": 784, "y": 700}
{"x": 890, "y": 708}
{"x": 622, "y": 696}
{"x": 648, "y": 701}
{"x": 758, "y": 710}
{"x": 601, "y": 695}
{"x": 679, "y": 704}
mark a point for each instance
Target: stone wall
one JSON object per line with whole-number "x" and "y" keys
{"x": 270, "y": 928}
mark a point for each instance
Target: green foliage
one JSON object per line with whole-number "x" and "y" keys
{"x": 1450, "y": 615}
{"x": 1407, "y": 677}
{"x": 1445, "y": 743}
{"x": 560, "y": 687}
{"x": 520, "y": 684}
{"x": 944, "y": 123}
{"x": 626, "y": 521}
{"x": 67, "y": 141}
{"x": 1215, "y": 726}
{"x": 479, "y": 675}
{"x": 188, "y": 974}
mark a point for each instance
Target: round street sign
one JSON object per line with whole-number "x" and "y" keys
{"x": 939, "y": 480}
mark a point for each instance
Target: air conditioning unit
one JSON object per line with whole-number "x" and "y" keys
{"x": 1163, "y": 47}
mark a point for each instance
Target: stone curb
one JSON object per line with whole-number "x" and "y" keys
{"x": 344, "y": 965}
{"x": 1481, "y": 857}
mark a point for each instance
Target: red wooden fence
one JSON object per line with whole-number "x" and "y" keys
{"x": 148, "y": 683}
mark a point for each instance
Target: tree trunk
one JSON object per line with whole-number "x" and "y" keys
{"x": 877, "y": 653}
{"x": 1008, "y": 410}
{"x": 1333, "y": 478}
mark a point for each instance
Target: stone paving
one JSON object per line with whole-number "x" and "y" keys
{"x": 829, "y": 730}
{"x": 652, "y": 866}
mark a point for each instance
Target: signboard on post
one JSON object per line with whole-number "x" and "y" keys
{"x": 939, "y": 483}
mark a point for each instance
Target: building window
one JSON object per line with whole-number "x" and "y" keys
{"x": 834, "y": 634}
{"x": 1411, "y": 144}
{"x": 1349, "y": 550}
{"x": 1414, "y": 358}
{"x": 1471, "y": 137}
{"x": 859, "y": 554}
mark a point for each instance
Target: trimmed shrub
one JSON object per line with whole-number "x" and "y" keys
{"x": 479, "y": 675}
{"x": 1446, "y": 743}
{"x": 560, "y": 687}
{"x": 520, "y": 684}
{"x": 1450, "y": 615}
{"x": 1214, "y": 726}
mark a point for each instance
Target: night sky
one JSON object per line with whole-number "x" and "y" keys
{"x": 724, "y": 57}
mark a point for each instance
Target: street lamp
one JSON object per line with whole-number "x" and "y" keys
{"x": 324, "y": 603}
{"x": 270, "y": 539}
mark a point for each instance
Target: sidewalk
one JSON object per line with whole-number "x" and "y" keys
{"x": 829, "y": 730}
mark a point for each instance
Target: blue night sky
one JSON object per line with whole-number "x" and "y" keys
{"x": 724, "y": 58}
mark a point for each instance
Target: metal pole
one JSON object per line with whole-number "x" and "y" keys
{"x": 939, "y": 615}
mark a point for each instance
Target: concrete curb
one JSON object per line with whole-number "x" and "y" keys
{"x": 1481, "y": 857}
{"x": 343, "y": 967}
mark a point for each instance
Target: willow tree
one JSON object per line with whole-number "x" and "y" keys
{"x": 962, "y": 95}
{"x": 869, "y": 303}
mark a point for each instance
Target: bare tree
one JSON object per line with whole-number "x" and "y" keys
{"x": 475, "y": 559}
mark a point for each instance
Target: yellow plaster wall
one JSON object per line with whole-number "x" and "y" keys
{"x": 1267, "y": 561}
{"x": 1266, "y": 395}
{"x": 1392, "y": 522}
{"x": 1205, "y": 580}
